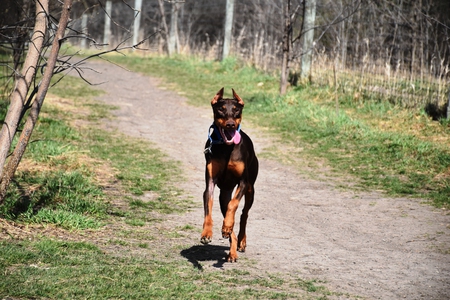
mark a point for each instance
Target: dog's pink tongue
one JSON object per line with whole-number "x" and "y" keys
{"x": 237, "y": 137}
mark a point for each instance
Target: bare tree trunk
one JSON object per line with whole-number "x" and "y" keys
{"x": 163, "y": 19}
{"x": 358, "y": 32}
{"x": 84, "y": 29}
{"x": 37, "y": 104}
{"x": 137, "y": 21}
{"x": 23, "y": 82}
{"x": 173, "y": 34}
{"x": 163, "y": 15}
{"x": 308, "y": 39}
{"x": 448, "y": 106}
{"x": 286, "y": 44}
{"x": 341, "y": 39}
{"x": 228, "y": 28}
{"x": 107, "y": 29}
{"x": 421, "y": 39}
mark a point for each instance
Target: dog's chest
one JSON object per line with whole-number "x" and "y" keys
{"x": 236, "y": 168}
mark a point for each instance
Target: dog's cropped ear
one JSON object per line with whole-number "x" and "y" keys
{"x": 217, "y": 97}
{"x": 236, "y": 96}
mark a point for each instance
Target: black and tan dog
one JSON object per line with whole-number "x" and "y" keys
{"x": 230, "y": 162}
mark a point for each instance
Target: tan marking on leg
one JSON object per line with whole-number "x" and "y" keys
{"x": 228, "y": 221}
{"x": 233, "y": 256}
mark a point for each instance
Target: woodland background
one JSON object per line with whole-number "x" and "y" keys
{"x": 394, "y": 49}
{"x": 398, "y": 49}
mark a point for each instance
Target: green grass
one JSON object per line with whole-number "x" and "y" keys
{"x": 79, "y": 270}
{"x": 67, "y": 199}
{"x": 58, "y": 180}
{"x": 400, "y": 161}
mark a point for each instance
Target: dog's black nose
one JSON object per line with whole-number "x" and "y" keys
{"x": 231, "y": 125}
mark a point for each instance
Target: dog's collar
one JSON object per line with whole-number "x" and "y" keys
{"x": 214, "y": 130}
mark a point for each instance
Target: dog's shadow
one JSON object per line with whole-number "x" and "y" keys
{"x": 198, "y": 253}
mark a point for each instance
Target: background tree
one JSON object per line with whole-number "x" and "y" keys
{"x": 286, "y": 47}
{"x": 23, "y": 79}
{"x": 30, "y": 88}
{"x": 18, "y": 97}
{"x": 228, "y": 28}
{"x": 400, "y": 32}
{"x": 309, "y": 18}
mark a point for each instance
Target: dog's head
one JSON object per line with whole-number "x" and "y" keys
{"x": 228, "y": 116}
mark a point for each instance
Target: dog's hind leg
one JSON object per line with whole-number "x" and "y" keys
{"x": 242, "y": 237}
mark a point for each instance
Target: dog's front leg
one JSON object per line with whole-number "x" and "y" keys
{"x": 228, "y": 222}
{"x": 208, "y": 199}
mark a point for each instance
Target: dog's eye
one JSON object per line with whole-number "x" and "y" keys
{"x": 221, "y": 113}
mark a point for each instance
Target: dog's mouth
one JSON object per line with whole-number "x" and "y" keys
{"x": 230, "y": 136}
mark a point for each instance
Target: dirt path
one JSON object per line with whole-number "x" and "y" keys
{"x": 363, "y": 244}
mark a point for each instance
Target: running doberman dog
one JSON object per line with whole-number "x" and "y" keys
{"x": 230, "y": 161}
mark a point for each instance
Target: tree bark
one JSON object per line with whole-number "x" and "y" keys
{"x": 286, "y": 44}
{"x": 228, "y": 28}
{"x": 173, "y": 34}
{"x": 37, "y": 104}
{"x": 163, "y": 21}
{"x": 137, "y": 21}
{"x": 448, "y": 106}
{"x": 23, "y": 82}
{"x": 308, "y": 39}
{"x": 107, "y": 28}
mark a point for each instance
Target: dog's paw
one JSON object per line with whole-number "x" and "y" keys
{"x": 241, "y": 246}
{"x": 206, "y": 240}
{"x": 227, "y": 231}
{"x": 232, "y": 257}
{"x": 206, "y": 236}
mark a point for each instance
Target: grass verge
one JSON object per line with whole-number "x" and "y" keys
{"x": 77, "y": 270}
{"x": 69, "y": 162}
{"x": 377, "y": 143}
